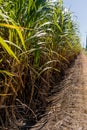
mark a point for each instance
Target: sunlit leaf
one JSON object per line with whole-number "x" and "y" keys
{"x": 7, "y": 48}
{"x": 4, "y": 95}
{"x": 6, "y": 72}
{"x": 18, "y": 31}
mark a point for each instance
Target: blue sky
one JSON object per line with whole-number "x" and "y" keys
{"x": 79, "y": 9}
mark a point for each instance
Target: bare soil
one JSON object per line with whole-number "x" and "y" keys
{"x": 68, "y": 107}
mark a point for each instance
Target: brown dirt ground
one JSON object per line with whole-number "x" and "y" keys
{"x": 68, "y": 108}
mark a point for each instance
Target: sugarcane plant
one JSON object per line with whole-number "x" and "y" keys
{"x": 37, "y": 40}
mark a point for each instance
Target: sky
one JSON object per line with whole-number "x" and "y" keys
{"x": 79, "y": 9}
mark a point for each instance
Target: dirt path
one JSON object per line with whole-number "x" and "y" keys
{"x": 68, "y": 109}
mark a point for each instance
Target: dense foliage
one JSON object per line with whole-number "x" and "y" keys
{"x": 38, "y": 39}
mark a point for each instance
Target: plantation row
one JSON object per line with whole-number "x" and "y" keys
{"x": 38, "y": 40}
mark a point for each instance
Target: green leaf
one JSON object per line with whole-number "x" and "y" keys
{"x": 17, "y": 29}
{"x": 7, "y": 48}
{"x": 6, "y": 72}
{"x": 1, "y": 60}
